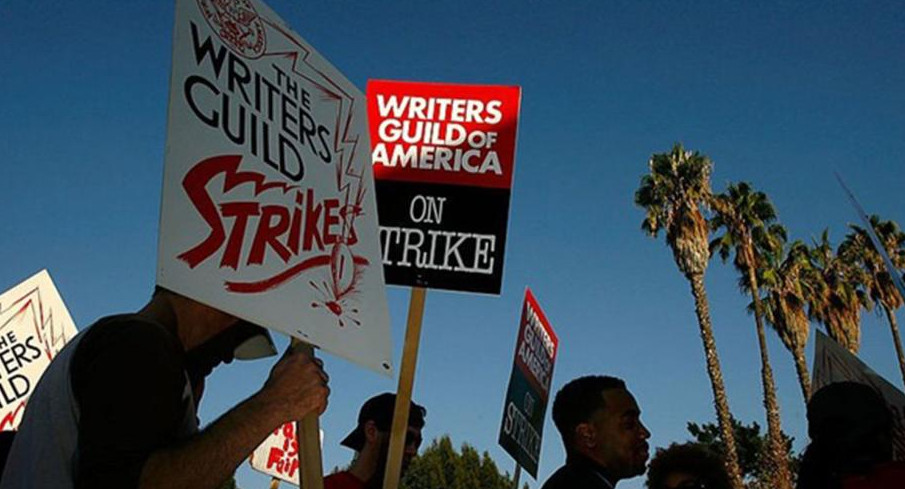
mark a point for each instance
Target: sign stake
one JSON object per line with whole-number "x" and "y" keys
{"x": 404, "y": 392}
{"x": 517, "y": 476}
{"x": 274, "y": 483}
{"x": 311, "y": 470}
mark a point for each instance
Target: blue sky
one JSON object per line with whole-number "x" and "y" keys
{"x": 778, "y": 94}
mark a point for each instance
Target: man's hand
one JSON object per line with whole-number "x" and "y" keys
{"x": 297, "y": 385}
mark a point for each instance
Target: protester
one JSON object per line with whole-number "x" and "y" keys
{"x": 687, "y": 466}
{"x": 116, "y": 407}
{"x": 371, "y": 442}
{"x": 851, "y": 441}
{"x": 601, "y": 429}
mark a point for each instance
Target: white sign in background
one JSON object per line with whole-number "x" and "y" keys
{"x": 268, "y": 206}
{"x": 34, "y": 327}
{"x": 278, "y": 455}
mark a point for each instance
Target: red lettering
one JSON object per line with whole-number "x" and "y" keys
{"x": 312, "y": 215}
{"x": 293, "y": 227}
{"x": 268, "y": 233}
{"x": 275, "y": 458}
{"x": 331, "y": 218}
{"x": 295, "y": 230}
{"x": 240, "y": 211}
{"x": 195, "y": 185}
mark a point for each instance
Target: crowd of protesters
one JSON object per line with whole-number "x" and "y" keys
{"x": 78, "y": 432}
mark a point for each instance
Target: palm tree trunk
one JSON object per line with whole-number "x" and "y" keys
{"x": 702, "y": 309}
{"x": 782, "y": 479}
{"x": 804, "y": 377}
{"x": 894, "y": 326}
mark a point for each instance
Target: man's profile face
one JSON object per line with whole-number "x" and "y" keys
{"x": 409, "y": 451}
{"x": 620, "y": 439}
{"x": 412, "y": 442}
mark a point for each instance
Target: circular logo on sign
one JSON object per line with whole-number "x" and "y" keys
{"x": 238, "y": 25}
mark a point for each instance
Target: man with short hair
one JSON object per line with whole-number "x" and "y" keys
{"x": 117, "y": 406}
{"x": 371, "y": 442}
{"x": 601, "y": 429}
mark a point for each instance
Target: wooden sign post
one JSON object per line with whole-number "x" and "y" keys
{"x": 311, "y": 468}
{"x": 404, "y": 392}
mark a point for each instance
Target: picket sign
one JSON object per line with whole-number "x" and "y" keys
{"x": 269, "y": 210}
{"x": 34, "y": 327}
{"x": 444, "y": 195}
{"x": 525, "y": 406}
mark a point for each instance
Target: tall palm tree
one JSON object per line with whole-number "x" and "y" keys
{"x": 746, "y": 216}
{"x": 786, "y": 291}
{"x": 673, "y": 195}
{"x": 838, "y": 297}
{"x": 878, "y": 282}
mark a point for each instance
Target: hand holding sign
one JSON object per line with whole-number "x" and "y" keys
{"x": 297, "y": 385}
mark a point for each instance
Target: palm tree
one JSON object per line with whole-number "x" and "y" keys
{"x": 746, "y": 217}
{"x": 673, "y": 195}
{"x": 878, "y": 282}
{"x": 838, "y": 297}
{"x": 786, "y": 291}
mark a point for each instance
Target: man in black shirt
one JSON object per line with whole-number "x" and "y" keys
{"x": 601, "y": 429}
{"x": 117, "y": 406}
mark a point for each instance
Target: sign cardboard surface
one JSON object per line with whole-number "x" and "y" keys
{"x": 529, "y": 386}
{"x": 34, "y": 327}
{"x": 269, "y": 209}
{"x": 278, "y": 455}
{"x": 444, "y": 157}
{"x": 833, "y": 363}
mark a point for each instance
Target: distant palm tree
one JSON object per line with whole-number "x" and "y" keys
{"x": 786, "y": 291}
{"x": 673, "y": 195}
{"x": 746, "y": 216}
{"x": 878, "y": 282}
{"x": 838, "y": 296}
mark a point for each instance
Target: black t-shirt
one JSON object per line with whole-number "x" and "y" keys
{"x": 129, "y": 380}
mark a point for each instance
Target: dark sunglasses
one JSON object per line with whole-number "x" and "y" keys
{"x": 410, "y": 438}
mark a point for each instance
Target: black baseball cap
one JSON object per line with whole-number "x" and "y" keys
{"x": 379, "y": 409}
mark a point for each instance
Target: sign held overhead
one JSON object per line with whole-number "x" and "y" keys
{"x": 443, "y": 158}
{"x": 34, "y": 327}
{"x": 269, "y": 208}
{"x": 529, "y": 386}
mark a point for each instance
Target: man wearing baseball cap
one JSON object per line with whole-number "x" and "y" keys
{"x": 371, "y": 440}
{"x": 117, "y": 406}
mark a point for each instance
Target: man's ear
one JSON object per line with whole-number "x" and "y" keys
{"x": 584, "y": 435}
{"x": 371, "y": 432}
